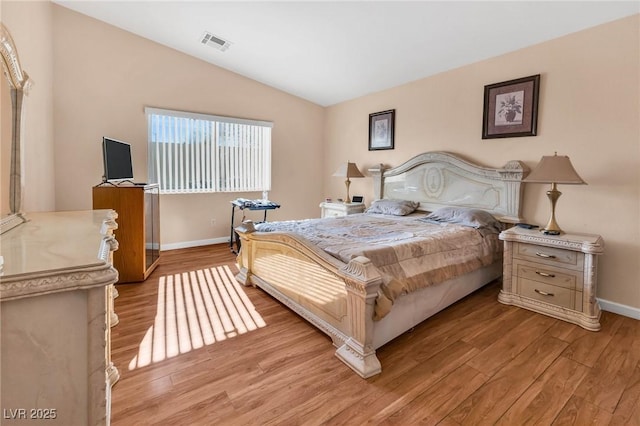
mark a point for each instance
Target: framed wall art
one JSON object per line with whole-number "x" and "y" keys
{"x": 381, "y": 130}
{"x": 511, "y": 108}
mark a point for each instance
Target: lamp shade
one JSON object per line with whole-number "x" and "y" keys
{"x": 349, "y": 170}
{"x": 555, "y": 169}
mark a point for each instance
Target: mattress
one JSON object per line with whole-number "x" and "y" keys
{"x": 408, "y": 252}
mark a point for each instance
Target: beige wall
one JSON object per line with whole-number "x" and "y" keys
{"x": 30, "y": 25}
{"x": 104, "y": 77}
{"x": 589, "y": 110}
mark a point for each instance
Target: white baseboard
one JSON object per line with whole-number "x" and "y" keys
{"x": 196, "y": 243}
{"x": 617, "y": 308}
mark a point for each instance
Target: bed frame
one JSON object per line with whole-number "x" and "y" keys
{"x": 339, "y": 298}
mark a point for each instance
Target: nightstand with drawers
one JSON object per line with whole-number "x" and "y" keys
{"x": 552, "y": 275}
{"x": 330, "y": 209}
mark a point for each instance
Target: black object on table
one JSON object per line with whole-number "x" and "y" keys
{"x": 242, "y": 204}
{"x": 526, "y": 225}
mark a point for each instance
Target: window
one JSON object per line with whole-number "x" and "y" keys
{"x": 191, "y": 152}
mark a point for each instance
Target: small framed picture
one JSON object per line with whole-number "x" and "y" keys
{"x": 357, "y": 199}
{"x": 511, "y": 108}
{"x": 381, "y": 130}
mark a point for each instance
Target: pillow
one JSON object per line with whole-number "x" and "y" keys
{"x": 394, "y": 207}
{"x": 474, "y": 218}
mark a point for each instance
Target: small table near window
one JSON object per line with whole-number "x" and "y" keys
{"x": 242, "y": 204}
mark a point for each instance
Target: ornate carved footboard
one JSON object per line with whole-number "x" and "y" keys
{"x": 339, "y": 298}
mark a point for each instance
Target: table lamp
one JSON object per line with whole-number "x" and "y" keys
{"x": 348, "y": 170}
{"x": 554, "y": 169}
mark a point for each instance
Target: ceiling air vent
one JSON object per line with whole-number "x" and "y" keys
{"x": 216, "y": 42}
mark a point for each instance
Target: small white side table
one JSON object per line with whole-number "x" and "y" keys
{"x": 331, "y": 209}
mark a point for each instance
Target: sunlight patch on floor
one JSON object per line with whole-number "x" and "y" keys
{"x": 195, "y": 309}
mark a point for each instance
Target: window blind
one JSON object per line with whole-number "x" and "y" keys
{"x": 190, "y": 152}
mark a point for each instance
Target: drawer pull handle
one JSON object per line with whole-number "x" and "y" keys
{"x": 544, "y": 274}
{"x": 546, "y": 256}
{"x": 544, "y": 293}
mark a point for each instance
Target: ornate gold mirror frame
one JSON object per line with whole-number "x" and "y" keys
{"x": 19, "y": 85}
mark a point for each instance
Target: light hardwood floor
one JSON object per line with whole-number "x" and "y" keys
{"x": 195, "y": 348}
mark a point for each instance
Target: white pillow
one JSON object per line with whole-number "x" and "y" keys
{"x": 393, "y": 207}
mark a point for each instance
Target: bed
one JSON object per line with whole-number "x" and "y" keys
{"x": 342, "y": 293}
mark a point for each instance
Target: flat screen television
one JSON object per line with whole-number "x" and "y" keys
{"x": 117, "y": 160}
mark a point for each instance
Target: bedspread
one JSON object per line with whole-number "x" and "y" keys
{"x": 409, "y": 253}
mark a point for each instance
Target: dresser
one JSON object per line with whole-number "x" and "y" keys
{"x": 56, "y": 295}
{"x": 552, "y": 275}
{"x": 138, "y": 233}
{"x": 331, "y": 209}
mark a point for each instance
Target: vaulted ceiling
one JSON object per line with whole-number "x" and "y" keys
{"x": 329, "y": 52}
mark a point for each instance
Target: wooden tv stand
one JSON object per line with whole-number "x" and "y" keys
{"x": 138, "y": 233}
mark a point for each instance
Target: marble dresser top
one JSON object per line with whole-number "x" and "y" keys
{"x": 57, "y": 251}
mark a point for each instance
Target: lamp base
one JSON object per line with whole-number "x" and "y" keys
{"x": 347, "y": 183}
{"x": 552, "y": 226}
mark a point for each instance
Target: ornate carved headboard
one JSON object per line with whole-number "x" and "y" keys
{"x": 438, "y": 179}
